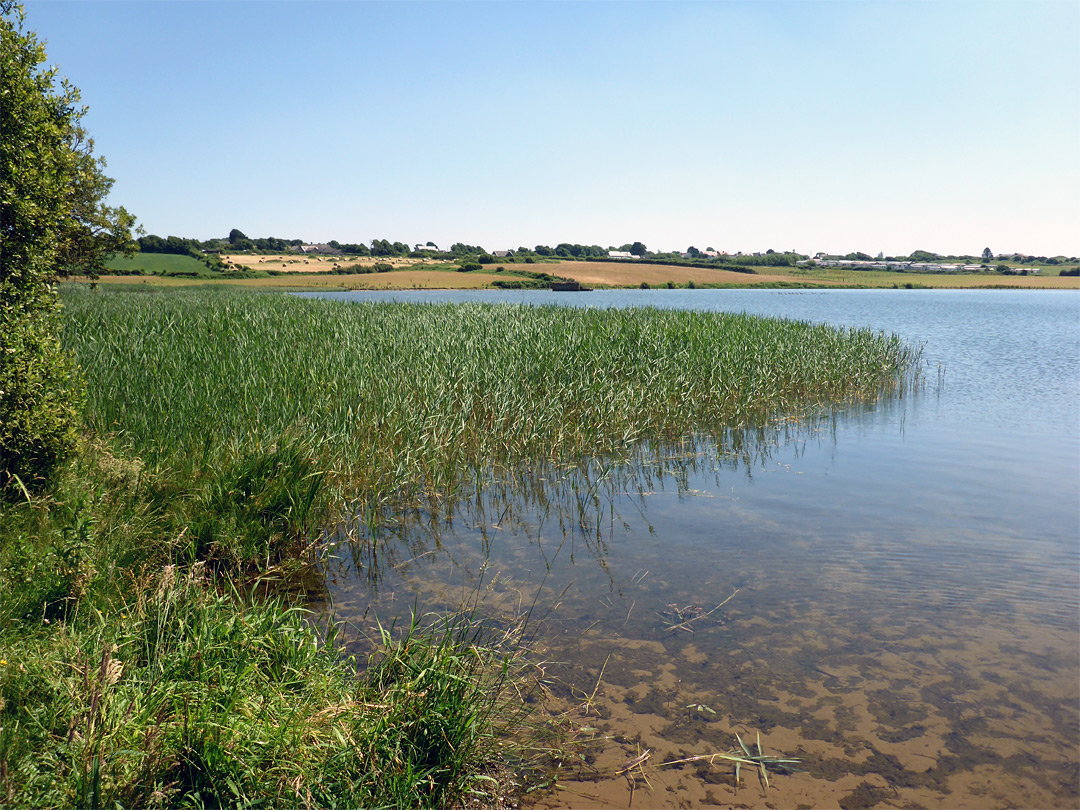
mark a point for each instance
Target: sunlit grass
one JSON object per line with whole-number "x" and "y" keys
{"x": 394, "y": 398}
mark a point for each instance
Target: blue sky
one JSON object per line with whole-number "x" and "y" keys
{"x": 832, "y": 126}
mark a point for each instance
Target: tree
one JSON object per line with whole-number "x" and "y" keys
{"x": 637, "y": 249}
{"x": 53, "y": 221}
{"x": 236, "y": 235}
{"x": 987, "y": 255}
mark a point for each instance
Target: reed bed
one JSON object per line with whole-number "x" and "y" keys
{"x": 398, "y": 399}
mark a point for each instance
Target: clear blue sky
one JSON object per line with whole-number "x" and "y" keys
{"x": 832, "y": 126}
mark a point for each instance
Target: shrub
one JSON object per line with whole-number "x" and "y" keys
{"x": 38, "y": 167}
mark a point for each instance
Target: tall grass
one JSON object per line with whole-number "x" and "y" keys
{"x": 186, "y": 697}
{"x": 396, "y": 399}
{"x": 128, "y": 681}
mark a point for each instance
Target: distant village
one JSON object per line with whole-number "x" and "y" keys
{"x": 821, "y": 260}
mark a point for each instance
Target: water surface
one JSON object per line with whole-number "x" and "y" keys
{"x": 906, "y": 576}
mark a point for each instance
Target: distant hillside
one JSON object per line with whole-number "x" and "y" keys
{"x": 153, "y": 264}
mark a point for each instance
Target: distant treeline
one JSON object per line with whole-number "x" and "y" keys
{"x": 238, "y": 242}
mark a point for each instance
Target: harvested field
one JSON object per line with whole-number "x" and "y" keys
{"x": 632, "y": 274}
{"x": 405, "y": 279}
{"x": 299, "y": 263}
{"x": 395, "y": 280}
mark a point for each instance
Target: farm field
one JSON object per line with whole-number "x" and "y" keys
{"x": 150, "y": 263}
{"x": 295, "y": 263}
{"x": 627, "y": 274}
{"x": 873, "y": 278}
{"x": 314, "y": 273}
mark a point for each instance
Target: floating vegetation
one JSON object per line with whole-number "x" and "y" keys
{"x": 744, "y": 756}
{"x": 687, "y": 617}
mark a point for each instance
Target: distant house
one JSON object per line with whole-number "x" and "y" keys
{"x": 321, "y": 249}
{"x": 502, "y": 254}
{"x": 620, "y": 254}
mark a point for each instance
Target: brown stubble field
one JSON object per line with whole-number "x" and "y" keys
{"x": 296, "y": 263}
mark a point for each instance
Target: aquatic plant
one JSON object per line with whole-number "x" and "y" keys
{"x": 394, "y": 400}
{"x": 743, "y": 756}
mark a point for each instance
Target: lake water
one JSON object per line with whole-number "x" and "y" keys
{"x": 906, "y": 576}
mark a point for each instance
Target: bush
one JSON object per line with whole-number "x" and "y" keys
{"x": 38, "y": 168}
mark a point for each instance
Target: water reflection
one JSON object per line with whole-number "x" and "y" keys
{"x": 862, "y": 647}
{"x": 580, "y": 504}
{"x": 905, "y": 580}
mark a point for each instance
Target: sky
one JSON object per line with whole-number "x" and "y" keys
{"x": 741, "y": 126}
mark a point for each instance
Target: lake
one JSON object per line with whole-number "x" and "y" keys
{"x": 904, "y": 578}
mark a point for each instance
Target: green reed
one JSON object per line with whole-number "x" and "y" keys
{"x": 396, "y": 399}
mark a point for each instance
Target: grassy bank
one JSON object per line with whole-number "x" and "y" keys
{"x": 133, "y": 674}
{"x": 142, "y": 661}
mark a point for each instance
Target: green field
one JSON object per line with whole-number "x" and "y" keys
{"x": 150, "y": 264}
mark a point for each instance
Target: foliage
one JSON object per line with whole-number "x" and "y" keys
{"x": 172, "y": 244}
{"x": 52, "y": 221}
{"x": 382, "y": 247}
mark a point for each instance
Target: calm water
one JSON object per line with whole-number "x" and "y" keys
{"x": 906, "y": 617}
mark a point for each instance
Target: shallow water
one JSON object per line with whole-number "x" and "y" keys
{"x": 906, "y": 577}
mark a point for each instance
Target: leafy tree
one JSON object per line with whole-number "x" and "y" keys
{"x": 638, "y": 249}
{"x": 236, "y": 235}
{"x": 987, "y": 254}
{"x": 52, "y": 221}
